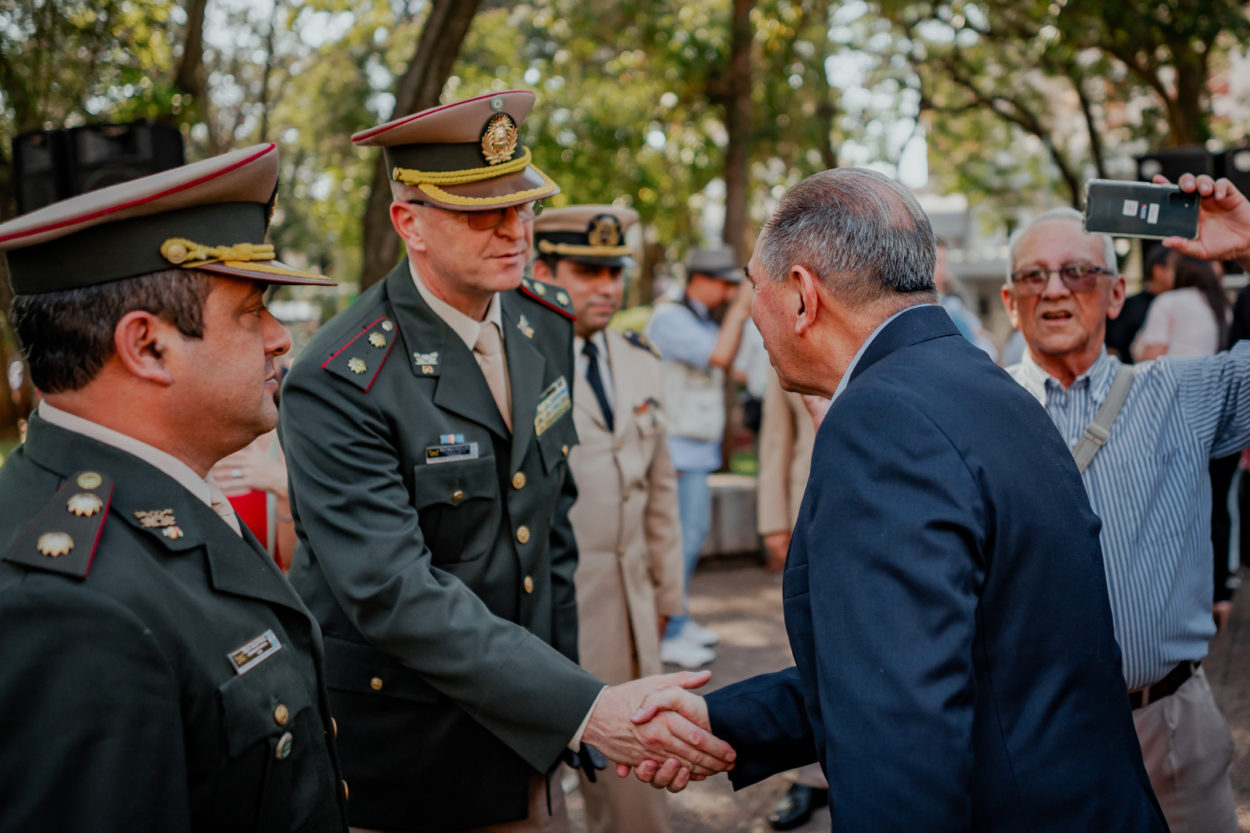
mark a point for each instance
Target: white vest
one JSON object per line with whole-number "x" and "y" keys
{"x": 694, "y": 401}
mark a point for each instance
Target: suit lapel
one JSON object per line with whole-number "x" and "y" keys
{"x": 526, "y": 370}
{"x": 912, "y": 326}
{"x": 460, "y": 386}
{"x": 622, "y": 396}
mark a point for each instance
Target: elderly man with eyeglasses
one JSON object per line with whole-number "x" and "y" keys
{"x": 1145, "y": 470}
{"x": 427, "y": 430}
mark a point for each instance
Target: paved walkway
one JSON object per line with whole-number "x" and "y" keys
{"x": 742, "y": 603}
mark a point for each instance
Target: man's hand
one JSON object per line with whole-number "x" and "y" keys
{"x": 1223, "y": 220}
{"x": 679, "y": 731}
{"x": 776, "y": 543}
{"x": 1221, "y": 612}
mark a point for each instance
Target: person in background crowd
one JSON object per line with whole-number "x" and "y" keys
{"x": 629, "y": 572}
{"x": 698, "y": 338}
{"x": 1191, "y": 319}
{"x": 1147, "y": 482}
{"x": 1158, "y": 278}
{"x": 427, "y": 430}
{"x": 158, "y": 672}
{"x": 254, "y": 480}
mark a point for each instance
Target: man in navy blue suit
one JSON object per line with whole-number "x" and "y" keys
{"x": 944, "y": 589}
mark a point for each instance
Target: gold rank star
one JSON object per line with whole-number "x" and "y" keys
{"x": 84, "y": 504}
{"x": 377, "y": 340}
{"x": 55, "y": 544}
{"x": 357, "y": 366}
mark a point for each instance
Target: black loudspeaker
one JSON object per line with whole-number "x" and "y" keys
{"x": 52, "y": 165}
{"x": 1172, "y": 162}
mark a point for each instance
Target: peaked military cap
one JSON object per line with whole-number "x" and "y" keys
{"x": 210, "y": 215}
{"x": 586, "y": 233}
{"x": 720, "y": 263}
{"x": 465, "y": 156}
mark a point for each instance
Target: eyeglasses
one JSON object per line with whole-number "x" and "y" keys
{"x": 1077, "y": 278}
{"x": 493, "y": 217}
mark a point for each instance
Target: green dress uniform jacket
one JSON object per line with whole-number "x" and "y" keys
{"x": 159, "y": 673}
{"x": 435, "y": 551}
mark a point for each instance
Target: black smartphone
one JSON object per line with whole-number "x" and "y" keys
{"x": 1140, "y": 209}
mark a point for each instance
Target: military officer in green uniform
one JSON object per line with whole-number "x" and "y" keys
{"x": 157, "y": 672}
{"x": 427, "y": 430}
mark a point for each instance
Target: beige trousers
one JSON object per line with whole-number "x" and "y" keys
{"x": 1187, "y": 748}
{"x": 623, "y": 805}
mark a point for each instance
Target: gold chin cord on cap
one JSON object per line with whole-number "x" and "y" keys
{"x": 411, "y": 176}
{"x": 189, "y": 254}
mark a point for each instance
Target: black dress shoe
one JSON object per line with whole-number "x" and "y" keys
{"x": 795, "y": 807}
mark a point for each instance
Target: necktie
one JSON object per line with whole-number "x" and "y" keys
{"x": 220, "y": 505}
{"x": 489, "y": 354}
{"x": 591, "y": 352}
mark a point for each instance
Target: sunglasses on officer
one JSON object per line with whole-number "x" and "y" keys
{"x": 492, "y": 217}
{"x": 1077, "y": 277}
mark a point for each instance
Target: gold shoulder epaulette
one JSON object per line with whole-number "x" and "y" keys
{"x": 549, "y": 295}
{"x": 63, "y": 535}
{"x": 639, "y": 340}
{"x": 359, "y": 360}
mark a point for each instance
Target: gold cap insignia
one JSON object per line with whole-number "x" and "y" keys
{"x": 388, "y": 326}
{"x": 84, "y": 504}
{"x": 173, "y": 533}
{"x": 155, "y": 518}
{"x": 55, "y": 544}
{"x": 377, "y": 340}
{"x": 357, "y": 366}
{"x": 605, "y": 230}
{"x": 89, "y": 480}
{"x": 524, "y": 327}
{"x": 499, "y": 139}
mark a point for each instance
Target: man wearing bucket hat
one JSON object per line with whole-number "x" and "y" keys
{"x": 158, "y": 671}
{"x": 629, "y": 573}
{"x": 427, "y": 430}
{"x": 698, "y": 338}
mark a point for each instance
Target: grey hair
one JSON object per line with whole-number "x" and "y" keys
{"x": 862, "y": 233}
{"x": 402, "y": 192}
{"x": 1061, "y": 213}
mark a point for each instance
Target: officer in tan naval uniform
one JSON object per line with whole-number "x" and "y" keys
{"x": 427, "y": 430}
{"x": 157, "y": 672}
{"x": 629, "y": 574}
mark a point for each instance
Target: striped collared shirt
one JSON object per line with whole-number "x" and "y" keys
{"x": 1150, "y": 487}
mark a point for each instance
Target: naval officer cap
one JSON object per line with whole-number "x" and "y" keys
{"x": 593, "y": 234}
{"x": 720, "y": 263}
{"x": 465, "y": 156}
{"x": 210, "y": 216}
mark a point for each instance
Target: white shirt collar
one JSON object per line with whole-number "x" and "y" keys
{"x": 464, "y": 326}
{"x": 183, "y": 474}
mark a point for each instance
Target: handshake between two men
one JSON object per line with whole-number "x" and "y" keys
{"x": 658, "y": 728}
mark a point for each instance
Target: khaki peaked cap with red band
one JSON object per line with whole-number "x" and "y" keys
{"x": 465, "y": 156}
{"x": 593, "y": 234}
{"x": 209, "y": 216}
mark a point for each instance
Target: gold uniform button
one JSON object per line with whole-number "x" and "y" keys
{"x": 345, "y": 792}
{"x": 518, "y": 480}
{"x": 376, "y": 684}
{"x": 283, "y": 750}
{"x": 529, "y": 584}
{"x": 523, "y": 534}
{"x": 281, "y": 715}
{"x": 457, "y": 496}
{"x": 334, "y": 727}
{"x": 564, "y": 449}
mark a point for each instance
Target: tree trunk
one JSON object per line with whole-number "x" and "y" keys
{"x": 437, "y": 50}
{"x": 738, "y": 126}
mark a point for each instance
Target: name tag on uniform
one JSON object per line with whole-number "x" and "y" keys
{"x": 554, "y": 403}
{"x": 447, "y": 452}
{"x": 251, "y": 654}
